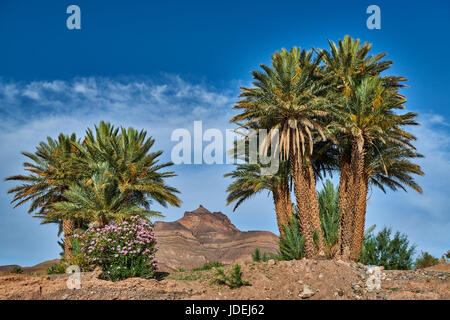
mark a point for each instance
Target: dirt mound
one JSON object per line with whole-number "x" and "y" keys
{"x": 439, "y": 267}
{"x": 303, "y": 279}
{"x": 203, "y": 236}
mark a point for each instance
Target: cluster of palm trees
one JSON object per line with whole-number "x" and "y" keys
{"x": 335, "y": 112}
{"x": 110, "y": 175}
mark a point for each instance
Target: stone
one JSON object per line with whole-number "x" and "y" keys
{"x": 307, "y": 292}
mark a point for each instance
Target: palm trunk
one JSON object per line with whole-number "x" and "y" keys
{"x": 353, "y": 186}
{"x": 308, "y": 211}
{"x": 358, "y": 235}
{"x": 68, "y": 229}
{"x": 287, "y": 202}
{"x": 346, "y": 220}
{"x": 280, "y": 210}
{"x": 314, "y": 204}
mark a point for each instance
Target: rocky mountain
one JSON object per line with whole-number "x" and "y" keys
{"x": 203, "y": 236}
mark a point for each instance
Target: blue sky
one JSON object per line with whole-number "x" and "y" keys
{"x": 162, "y": 65}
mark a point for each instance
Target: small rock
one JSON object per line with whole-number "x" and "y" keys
{"x": 64, "y": 297}
{"x": 320, "y": 276}
{"x": 307, "y": 292}
{"x": 271, "y": 262}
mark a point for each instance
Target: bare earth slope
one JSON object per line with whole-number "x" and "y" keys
{"x": 203, "y": 236}
{"x": 303, "y": 279}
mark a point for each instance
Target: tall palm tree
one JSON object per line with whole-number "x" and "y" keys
{"x": 288, "y": 97}
{"x": 364, "y": 117}
{"x": 386, "y": 165}
{"x": 248, "y": 181}
{"x": 349, "y": 62}
{"x": 49, "y": 177}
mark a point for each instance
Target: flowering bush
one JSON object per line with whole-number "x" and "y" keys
{"x": 122, "y": 250}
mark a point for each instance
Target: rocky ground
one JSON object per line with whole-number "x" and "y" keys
{"x": 303, "y": 279}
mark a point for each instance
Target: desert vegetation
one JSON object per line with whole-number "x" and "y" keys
{"x": 335, "y": 111}
{"x": 94, "y": 189}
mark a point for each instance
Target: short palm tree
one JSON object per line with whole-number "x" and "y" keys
{"x": 98, "y": 199}
{"x": 137, "y": 170}
{"x": 288, "y": 97}
{"x": 49, "y": 177}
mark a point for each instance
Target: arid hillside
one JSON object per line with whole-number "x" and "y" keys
{"x": 203, "y": 236}
{"x": 303, "y": 279}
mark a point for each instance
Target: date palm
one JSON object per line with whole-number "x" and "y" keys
{"x": 288, "y": 97}
{"x": 386, "y": 166}
{"x": 128, "y": 154}
{"x": 364, "y": 118}
{"x": 349, "y": 63}
{"x": 98, "y": 199}
{"x": 48, "y": 178}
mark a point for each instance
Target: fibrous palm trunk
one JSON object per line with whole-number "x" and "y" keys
{"x": 314, "y": 213}
{"x": 359, "y": 224}
{"x": 308, "y": 210}
{"x": 68, "y": 229}
{"x": 283, "y": 205}
{"x": 352, "y": 172}
{"x": 346, "y": 219}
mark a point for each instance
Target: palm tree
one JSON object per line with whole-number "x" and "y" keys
{"x": 363, "y": 118}
{"x": 49, "y": 177}
{"x": 386, "y": 165}
{"x": 127, "y": 153}
{"x": 288, "y": 97}
{"x": 248, "y": 181}
{"x": 349, "y": 63}
{"x": 98, "y": 199}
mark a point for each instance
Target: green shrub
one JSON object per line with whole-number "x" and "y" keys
{"x": 58, "y": 268}
{"x": 234, "y": 280}
{"x": 257, "y": 257}
{"x": 383, "y": 250}
{"x": 329, "y": 213}
{"x": 79, "y": 258}
{"x": 426, "y": 260}
{"x": 17, "y": 270}
{"x": 209, "y": 266}
{"x": 123, "y": 250}
{"x": 291, "y": 243}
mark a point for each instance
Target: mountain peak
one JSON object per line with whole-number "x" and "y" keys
{"x": 201, "y": 209}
